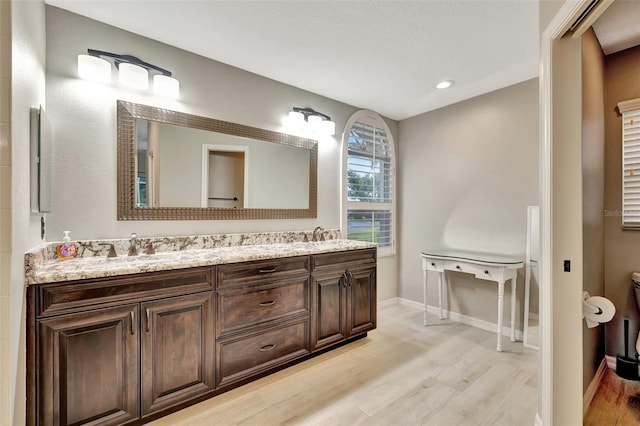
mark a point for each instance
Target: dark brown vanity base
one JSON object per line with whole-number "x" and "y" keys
{"x": 127, "y": 350}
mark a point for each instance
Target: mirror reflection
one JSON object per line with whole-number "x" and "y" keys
{"x": 215, "y": 170}
{"x": 173, "y": 165}
{"x": 532, "y": 272}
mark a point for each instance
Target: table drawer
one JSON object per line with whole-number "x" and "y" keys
{"x": 243, "y": 357}
{"x": 246, "y": 272}
{"x": 245, "y": 306}
{"x": 434, "y": 265}
{"x": 483, "y": 272}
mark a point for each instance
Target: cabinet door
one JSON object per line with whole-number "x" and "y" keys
{"x": 361, "y": 300}
{"x": 177, "y": 350}
{"x": 88, "y": 367}
{"x": 328, "y": 320}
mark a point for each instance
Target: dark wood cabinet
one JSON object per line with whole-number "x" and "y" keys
{"x": 126, "y": 350}
{"x": 176, "y": 351}
{"x": 88, "y": 370}
{"x": 344, "y": 297}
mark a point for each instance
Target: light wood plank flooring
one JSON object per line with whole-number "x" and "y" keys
{"x": 401, "y": 374}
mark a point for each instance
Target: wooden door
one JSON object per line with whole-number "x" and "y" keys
{"x": 88, "y": 367}
{"x": 361, "y": 300}
{"x": 177, "y": 350}
{"x": 328, "y": 317}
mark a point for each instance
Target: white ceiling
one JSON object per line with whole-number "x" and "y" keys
{"x": 381, "y": 55}
{"x": 619, "y": 26}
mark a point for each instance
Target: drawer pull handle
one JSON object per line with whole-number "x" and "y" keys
{"x": 267, "y": 270}
{"x": 345, "y": 280}
{"x": 486, "y": 272}
{"x": 267, "y": 348}
{"x": 269, "y": 303}
{"x": 133, "y": 319}
{"x": 148, "y": 318}
{"x": 458, "y": 267}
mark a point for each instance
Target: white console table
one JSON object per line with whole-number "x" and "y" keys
{"x": 485, "y": 266}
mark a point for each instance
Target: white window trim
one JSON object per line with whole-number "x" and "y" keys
{"x": 630, "y": 110}
{"x": 374, "y": 119}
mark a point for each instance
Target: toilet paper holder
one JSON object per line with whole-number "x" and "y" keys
{"x": 596, "y": 310}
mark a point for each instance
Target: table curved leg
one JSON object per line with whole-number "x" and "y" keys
{"x": 425, "y": 291}
{"x": 513, "y": 309}
{"x": 500, "y": 312}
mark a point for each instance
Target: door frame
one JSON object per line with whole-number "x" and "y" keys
{"x": 549, "y": 392}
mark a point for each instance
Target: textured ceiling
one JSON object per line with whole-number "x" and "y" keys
{"x": 381, "y": 55}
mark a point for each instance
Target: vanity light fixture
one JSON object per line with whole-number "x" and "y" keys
{"x": 315, "y": 121}
{"x": 445, "y": 84}
{"x": 132, "y": 72}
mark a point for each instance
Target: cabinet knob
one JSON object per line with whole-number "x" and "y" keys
{"x": 433, "y": 264}
{"x": 268, "y": 347}
{"x": 458, "y": 267}
{"x": 486, "y": 272}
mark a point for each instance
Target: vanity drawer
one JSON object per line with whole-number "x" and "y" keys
{"x": 246, "y": 272}
{"x": 73, "y": 296}
{"x": 243, "y": 357}
{"x": 344, "y": 259}
{"x": 245, "y": 306}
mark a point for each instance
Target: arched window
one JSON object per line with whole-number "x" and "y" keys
{"x": 368, "y": 193}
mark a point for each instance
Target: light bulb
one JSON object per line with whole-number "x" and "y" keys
{"x": 315, "y": 122}
{"x": 295, "y": 119}
{"x": 166, "y": 86}
{"x": 328, "y": 127}
{"x": 133, "y": 76}
{"x": 94, "y": 68}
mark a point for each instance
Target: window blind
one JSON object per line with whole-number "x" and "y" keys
{"x": 631, "y": 169}
{"x": 369, "y": 185}
{"x": 368, "y": 165}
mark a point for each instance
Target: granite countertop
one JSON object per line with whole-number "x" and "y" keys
{"x": 100, "y": 266}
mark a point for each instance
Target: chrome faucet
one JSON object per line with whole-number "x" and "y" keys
{"x": 133, "y": 249}
{"x": 112, "y": 250}
{"x": 318, "y": 230}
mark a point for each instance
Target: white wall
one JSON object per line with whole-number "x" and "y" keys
{"x": 468, "y": 172}
{"x": 27, "y": 90}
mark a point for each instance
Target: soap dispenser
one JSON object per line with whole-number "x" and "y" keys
{"x": 68, "y": 249}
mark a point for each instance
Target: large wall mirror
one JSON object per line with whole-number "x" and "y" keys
{"x": 177, "y": 166}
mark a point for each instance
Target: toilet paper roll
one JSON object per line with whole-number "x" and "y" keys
{"x": 597, "y": 310}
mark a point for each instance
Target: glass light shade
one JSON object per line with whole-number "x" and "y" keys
{"x": 315, "y": 122}
{"x": 94, "y": 69}
{"x": 295, "y": 119}
{"x": 133, "y": 76}
{"x": 328, "y": 127}
{"x": 166, "y": 86}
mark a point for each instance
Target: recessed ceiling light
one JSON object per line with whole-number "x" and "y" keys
{"x": 445, "y": 84}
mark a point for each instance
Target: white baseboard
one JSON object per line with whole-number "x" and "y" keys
{"x": 458, "y": 317}
{"x": 388, "y": 302}
{"x": 611, "y": 362}
{"x": 594, "y": 384}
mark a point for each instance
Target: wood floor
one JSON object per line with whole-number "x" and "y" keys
{"x": 401, "y": 374}
{"x": 616, "y": 402}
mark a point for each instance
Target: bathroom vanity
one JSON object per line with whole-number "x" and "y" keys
{"x": 109, "y": 345}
